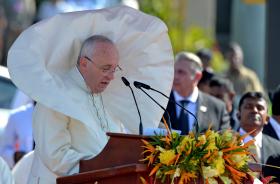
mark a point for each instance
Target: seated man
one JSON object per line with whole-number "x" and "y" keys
{"x": 253, "y": 116}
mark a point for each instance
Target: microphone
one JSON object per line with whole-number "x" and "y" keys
{"x": 125, "y": 81}
{"x": 169, "y": 122}
{"x": 141, "y": 85}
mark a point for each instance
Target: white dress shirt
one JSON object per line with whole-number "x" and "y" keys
{"x": 275, "y": 125}
{"x": 191, "y": 106}
{"x": 258, "y": 141}
{"x": 18, "y": 133}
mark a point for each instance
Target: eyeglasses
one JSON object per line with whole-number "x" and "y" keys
{"x": 105, "y": 69}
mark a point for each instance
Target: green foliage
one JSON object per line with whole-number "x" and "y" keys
{"x": 192, "y": 38}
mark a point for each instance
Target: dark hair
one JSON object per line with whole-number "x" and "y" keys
{"x": 206, "y": 76}
{"x": 222, "y": 82}
{"x": 276, "y": 101}
{"x": 252, "y": 94}
{"x": 204, "y": 53}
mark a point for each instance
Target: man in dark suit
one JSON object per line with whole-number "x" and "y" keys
{"x": 207, "y": 109}
{"x": 222, "y": 89}
{"x": 272, "y": 128}
{"x": 253, "y": 116}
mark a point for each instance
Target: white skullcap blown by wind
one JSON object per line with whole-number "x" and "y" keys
{"x": 45, "y": 52}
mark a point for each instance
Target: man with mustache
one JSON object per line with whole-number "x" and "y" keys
{"x": 253, "y": 116}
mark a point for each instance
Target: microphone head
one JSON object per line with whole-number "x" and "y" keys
{"x": 141, "y": 85}
{"x": 125, "y": 81}
{"x": 137, "y": 84}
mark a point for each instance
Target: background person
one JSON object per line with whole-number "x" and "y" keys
{"x": 272, "y": 128}
{"x": 208, "y": 110}
{"x": 243, "y": 78}
{"x": 18, "y": 134}
{"x": 222, "y": 89}
{"x": 253, "y": 116}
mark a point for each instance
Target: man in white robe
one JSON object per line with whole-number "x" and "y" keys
{"x": 67, "y": 77}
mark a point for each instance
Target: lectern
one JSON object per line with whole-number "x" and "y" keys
{"x": 119, "y": 162}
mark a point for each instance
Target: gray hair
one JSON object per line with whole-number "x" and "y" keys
{"x": 196, "y": 64}
{"x": 89, "y": 43}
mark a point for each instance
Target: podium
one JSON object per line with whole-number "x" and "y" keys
{"x": 118, "y": 162}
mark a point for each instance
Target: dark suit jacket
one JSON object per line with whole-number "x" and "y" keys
{"x": 270, "y": 154}
{"x": 215, "y": 114}
{"x": 234, "y": 122}
{"x": 269, "y": 130}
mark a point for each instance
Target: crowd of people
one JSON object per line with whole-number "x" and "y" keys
{"x": 55, "y": 128}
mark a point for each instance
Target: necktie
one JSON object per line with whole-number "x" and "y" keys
{"x": 184, "y": 119}
{"x": 256, "y": 151}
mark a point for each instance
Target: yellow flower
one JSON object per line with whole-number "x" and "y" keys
{"x": 239, "y": 159}
{"x": 177, "y": 172}
{"x": 185, "y": 144}
{"x": 220, "y": 163}
{"x": 212, "y": 140}
{"x": 209, "y": 172}
{"x": 167, "y": 157}
{"x": 227, "y": 136}
{"x": 212, "y": 181}
{"x": 216, "y": 168}
{"x": 202, "y": 139}
{"x": 226, "y": 179}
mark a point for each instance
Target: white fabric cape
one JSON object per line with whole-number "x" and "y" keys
{"x": 49, "y": 49}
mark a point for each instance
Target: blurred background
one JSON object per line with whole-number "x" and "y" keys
{"x": 192, "y": 24}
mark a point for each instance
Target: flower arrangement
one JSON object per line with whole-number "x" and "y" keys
{"x": 214, "y": 156}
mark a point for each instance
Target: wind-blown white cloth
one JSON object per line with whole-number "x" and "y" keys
{"x": 22, "y": 168}
{"x": 5, "y": 173}
{"x": 43, "y": 54}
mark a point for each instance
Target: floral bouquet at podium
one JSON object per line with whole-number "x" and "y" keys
{"x": 212, "y": 157}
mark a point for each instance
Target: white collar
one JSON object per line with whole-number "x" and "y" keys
{"x": 192, "y": 98}
{"x": 78, "y": 78}
{"x": 257, "y": 138}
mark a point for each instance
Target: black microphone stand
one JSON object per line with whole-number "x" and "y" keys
{"x": 125, "y": 81}
{"x": 169, "y": 122}
{"x": 142, "y": 85}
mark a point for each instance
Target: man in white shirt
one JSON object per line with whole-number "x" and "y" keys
{"x": 253, "y": 116}
{"x": 273, "y": 126}
{"x": 18, "y": 134}
{"x": 5, "y": 173}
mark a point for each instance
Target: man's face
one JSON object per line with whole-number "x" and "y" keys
{"x": 253, "y": 114}
{"x": 98, "y": 69}
{"x": 184, "y": 81}
{"x": 234, "y": 58}
{"x": 222, "y": 94}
